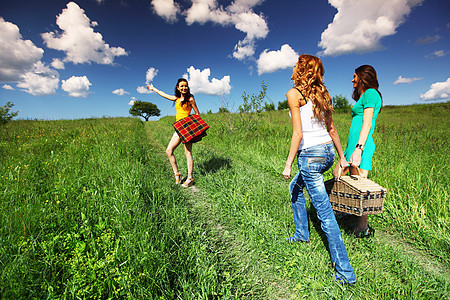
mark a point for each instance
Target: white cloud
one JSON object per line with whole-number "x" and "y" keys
{"x": 437, "y": 53}
{"x": 244, "y": 49}
{"x": 428, "y": 39}
{"x": 271, "y": 61}
{"x": 7, "y": 87}
{"x": 166, "y": 9}
{"x": 401, "y": 79}
{"x": 133, "y": 99}
{"x": 199, "y": 82}
{"x": 120, "y": 92}
{"x": 359, "y": 25}
{"x": 57, "y": 64}
{"x": 239, "y": 14}
{"x": 40, "y": 80}
{"x": 17, "y": 56}
{"x": 437, "y": 91}
{"x": 151, "y": 74}
{"x": 78, "y": 39}
{"x": 143, "y": 90}
{"x": 76, "y": 86}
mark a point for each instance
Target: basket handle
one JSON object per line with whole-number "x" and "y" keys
{"x": 352, "y": 176}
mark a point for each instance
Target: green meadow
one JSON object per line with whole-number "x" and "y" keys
{"x": 89, "y": 209}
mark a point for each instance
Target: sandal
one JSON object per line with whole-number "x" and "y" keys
{"x": 188, "y": 182}
{"x": 178, "y": 178}
{"x": 294, "y": 239}
{"x": 369, "y": 232}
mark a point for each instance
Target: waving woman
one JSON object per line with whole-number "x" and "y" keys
{"x": 184, "y": 104}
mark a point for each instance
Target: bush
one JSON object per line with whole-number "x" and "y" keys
{"x": 340, "y": 103}
{"x": 5, "y": 115}
{"x": 283, "y": 105}
{"x": 269, "y": 106}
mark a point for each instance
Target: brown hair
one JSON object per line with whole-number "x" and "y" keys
{"x": 367, "y": 80}
{"x": 308, "y": 78}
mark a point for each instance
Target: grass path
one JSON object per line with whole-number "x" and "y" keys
{"x": 413, "y": 254}
{"x": 252, "y": 230}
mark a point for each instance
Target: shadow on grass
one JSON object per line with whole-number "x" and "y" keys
{"x": 214, "y": 164}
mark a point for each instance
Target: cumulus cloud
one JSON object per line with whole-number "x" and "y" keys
{"x": 132, "y": 100}
{"x": 76, "y": 86}
{"x": 402, "y": 79}
{"x": 78, "y": 39}
{"x": 143, "y": 90}
{"x": 151, "y": 73}
{"x": 271, "y": 61}
{"x": 120, "y": 92}
{"x": 57, "y": 64}
{"x": 17, "y": 56}
{"x": 199, "y": 82}
{"x": 239, "y": 14}
{"x": 7, "y": 87}
{"x": 40, "y": 80}
{"x": 359, "y": 25}
{"x": 167, "y": 9}
{"x": 437, "y": 91}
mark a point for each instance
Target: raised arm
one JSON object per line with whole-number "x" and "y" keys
{"x": 161, "y": 93}
{"x": 297, "y": 132}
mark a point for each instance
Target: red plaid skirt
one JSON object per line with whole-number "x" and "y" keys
{"x": 191, "y": 129}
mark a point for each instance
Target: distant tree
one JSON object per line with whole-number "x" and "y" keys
{"x": 223, "y": 110}
{"x": 5, "y": 115}
{"x": 340, "y": 103}
{"x": 283, "y": 105}
{"x": 144, "y": 109}
{"x": 269, "y": 106}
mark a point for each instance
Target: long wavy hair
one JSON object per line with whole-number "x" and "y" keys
{"x": 308, "y": 78}
{"x": 178, "y": 93}
{"x": 367, "y": 80}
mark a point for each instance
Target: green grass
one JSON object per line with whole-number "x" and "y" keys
{"x": 89, "y": 209}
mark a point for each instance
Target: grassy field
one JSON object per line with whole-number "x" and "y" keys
{"x": 89, "y": 209}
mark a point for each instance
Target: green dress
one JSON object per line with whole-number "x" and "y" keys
{"x": 370, "y": 98}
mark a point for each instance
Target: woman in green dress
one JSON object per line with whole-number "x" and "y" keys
{"x": 360, "y": 145}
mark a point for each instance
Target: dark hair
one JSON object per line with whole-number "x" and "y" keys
{"x": 367, "y": 80}
{"x": 178, "y": 93}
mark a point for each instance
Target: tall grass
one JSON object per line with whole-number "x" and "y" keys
{"x": 89, "y": 209}
{"x": 88, "y": 212}
{"x": 238, "y": 169}
{"x": 411, "y": 161}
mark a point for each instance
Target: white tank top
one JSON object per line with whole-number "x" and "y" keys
{"x": 314, "y": 132}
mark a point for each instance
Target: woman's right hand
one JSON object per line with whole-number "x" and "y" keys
{"x": 287, "y": 172}
{"x": 150, "y": 87}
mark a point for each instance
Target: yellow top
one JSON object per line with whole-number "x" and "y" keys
{"x": 182, "y": 111}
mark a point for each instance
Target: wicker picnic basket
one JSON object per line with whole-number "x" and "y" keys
{"x": 356, "y": 195}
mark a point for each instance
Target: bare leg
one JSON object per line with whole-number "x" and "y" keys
{"x": 173, "y": 144}
{"x": 189, "y": 159}
{"x": 361, "y": 222}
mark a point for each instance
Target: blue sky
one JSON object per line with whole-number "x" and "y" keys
{"x": 92, "y": 58}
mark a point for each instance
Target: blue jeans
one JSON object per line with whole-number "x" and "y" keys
{"x": 312, "y": 163}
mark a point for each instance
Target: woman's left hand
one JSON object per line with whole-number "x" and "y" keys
{"x": 287, "y": 173}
